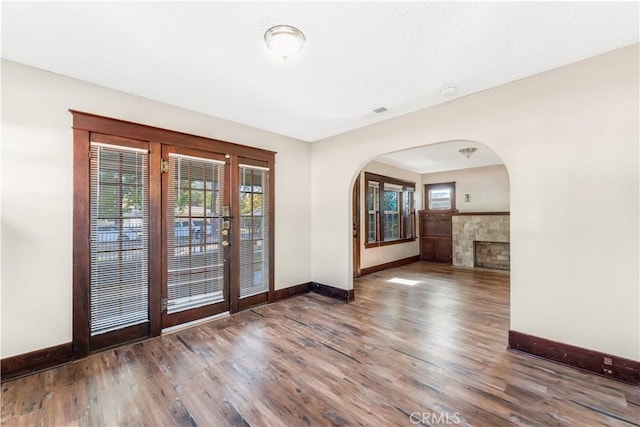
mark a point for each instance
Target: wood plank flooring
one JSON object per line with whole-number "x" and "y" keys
{"x": 432, "y": 353}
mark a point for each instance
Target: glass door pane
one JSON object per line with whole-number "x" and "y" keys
{"x": 196, "y": 258}
{"x": 254, "y": 230}
{"x": 119, "y": 243}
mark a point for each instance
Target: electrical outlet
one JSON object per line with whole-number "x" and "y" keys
{"x": 608, "y": 371}
{"x": 608, "y": 361}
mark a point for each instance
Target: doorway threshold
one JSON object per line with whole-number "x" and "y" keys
{"x": 194, "y": 323}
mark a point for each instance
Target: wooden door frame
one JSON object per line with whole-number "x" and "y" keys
{"x": 356, "y": 205}
{"x": 83, "y": 125}
{"x": 237, "y": 303}
{"x": 83, "y": 342}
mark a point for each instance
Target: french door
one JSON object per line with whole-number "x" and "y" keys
{"x": 165, "y": 233}
{"x": 196, "y": 230}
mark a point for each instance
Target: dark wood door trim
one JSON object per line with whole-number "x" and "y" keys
{"x": 110, "y": 126}
{"x": 119, "y": 337}
{"x": 81, "y": 246}
{"x": 121, "y": 132}
{"x": 272, "y": 230}
{"x": 356, "y": 206}
{"x": 156, "y": 242}
{"x": 233, "y": 266}
{"x": 83, "y": 342}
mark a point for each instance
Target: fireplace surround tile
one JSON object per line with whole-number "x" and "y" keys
{"x": 467, "y": 229}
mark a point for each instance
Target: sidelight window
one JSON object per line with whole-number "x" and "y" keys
{"x": 254, "y": 230}
{"x": 373, "y": 204}
{"x": 119, "y": 237}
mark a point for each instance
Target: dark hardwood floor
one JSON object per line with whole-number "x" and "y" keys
{"x": 400, "y": 354}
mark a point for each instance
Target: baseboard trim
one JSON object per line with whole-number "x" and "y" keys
{"x": 330, "y": 291}
{"x": 292, "y": 291}
{"x": 392, "y": 264}
{"x": 606, "y": 365}
{"x": 29, "y": 363}
{"x": 318, "y": 288}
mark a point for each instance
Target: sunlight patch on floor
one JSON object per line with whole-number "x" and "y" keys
{"x": 404, "y": 281}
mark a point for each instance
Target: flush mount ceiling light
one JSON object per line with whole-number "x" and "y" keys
{"x": 468, "y": 152}
{"x": 284, "y": 40}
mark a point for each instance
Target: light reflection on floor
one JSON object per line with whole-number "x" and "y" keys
{"x": 404, "y": 281}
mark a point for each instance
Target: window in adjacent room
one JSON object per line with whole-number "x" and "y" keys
{"x": 441, "y": 196}
{"x": 373, "y": 204}
{"x": 390, "y": 210}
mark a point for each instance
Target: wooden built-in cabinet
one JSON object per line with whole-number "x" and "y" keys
{"x": 435, "y": 236}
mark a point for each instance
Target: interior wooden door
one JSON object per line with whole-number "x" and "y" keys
{"x": 196, "y": 235}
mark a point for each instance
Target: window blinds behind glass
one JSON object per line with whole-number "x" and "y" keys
{"x": 254, "y": 230}
{"x": 373, "y": 193}
{"x": 119, "y": 241}
{"x": 195, "y": 269}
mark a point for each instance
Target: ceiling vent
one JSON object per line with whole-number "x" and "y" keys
{"x": 380, "y": 110}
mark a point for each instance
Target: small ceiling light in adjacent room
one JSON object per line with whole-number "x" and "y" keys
{"x": 448, "y": 90}
{"x": 468, "y": 152}
{"x": 284, "y": 40}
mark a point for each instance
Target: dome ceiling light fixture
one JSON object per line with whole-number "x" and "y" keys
{"x": 468, "y": 152}
{"x": 284, "y": 40}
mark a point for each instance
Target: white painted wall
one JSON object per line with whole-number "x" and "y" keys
{"x": 569, "y": 139}
{"x": 488, "y": 187}
{"x": 370, "y": 257}
{"x": 37, "y": 194}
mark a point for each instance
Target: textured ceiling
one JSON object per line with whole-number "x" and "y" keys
{"x": 442, "y": 157}
{"x": 210, "y": 56}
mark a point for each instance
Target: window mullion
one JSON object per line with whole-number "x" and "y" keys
{"x": 380, "y": 216}
{"x": 401, "y": 216}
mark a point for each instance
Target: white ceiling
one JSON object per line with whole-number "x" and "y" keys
{"x": 210, "y": 56}
{"x": 441, "y": 157}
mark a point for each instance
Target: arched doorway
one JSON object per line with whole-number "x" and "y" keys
{"x": 477, "y": 233}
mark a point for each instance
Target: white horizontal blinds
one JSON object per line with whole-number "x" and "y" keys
{"x": 440, "y": 198}
{"x": 119, "y": 237}
{"x": 195, "y": 258}
{"x": 254, "y": 230}
{"x": 373, "y": 192}
{"x": 394, "y": 187}
{"x": 408, "y": 215}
